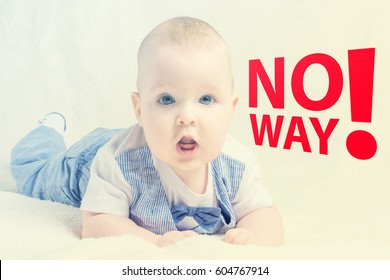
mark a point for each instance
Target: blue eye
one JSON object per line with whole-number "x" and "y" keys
{"x": 166, "y": 100}
{"x": 206, "y": 100}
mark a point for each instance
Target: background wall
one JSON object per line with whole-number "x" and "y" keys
{"x": 79, "y": 58}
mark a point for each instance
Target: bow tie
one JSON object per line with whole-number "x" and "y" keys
{"x": 206, "y": 217}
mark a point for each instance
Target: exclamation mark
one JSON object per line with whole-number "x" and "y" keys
{"x": 361, "y": 144}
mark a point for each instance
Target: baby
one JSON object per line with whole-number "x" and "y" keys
{"x": 174, "y": 174}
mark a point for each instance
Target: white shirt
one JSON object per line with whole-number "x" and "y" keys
{"x": 108, "y": 191}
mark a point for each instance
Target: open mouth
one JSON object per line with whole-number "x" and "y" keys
{"x": 187, "y": 144}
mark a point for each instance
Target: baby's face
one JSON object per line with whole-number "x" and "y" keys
{"x": 185, "y": 104}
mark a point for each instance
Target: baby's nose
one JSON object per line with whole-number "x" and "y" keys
{"x": 186, "y": 116}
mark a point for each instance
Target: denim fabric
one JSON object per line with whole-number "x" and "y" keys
{"x": 44, "y": 168}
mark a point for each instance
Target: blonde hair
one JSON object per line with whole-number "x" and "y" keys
{"x": 183, "y": 31}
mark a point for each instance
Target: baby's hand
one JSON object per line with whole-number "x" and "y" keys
{"x": 172, "y": 237}
{"x": 241, "y": 236}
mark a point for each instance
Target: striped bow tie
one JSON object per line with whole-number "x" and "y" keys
{"x": 206, "y": 217}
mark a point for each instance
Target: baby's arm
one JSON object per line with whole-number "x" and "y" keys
{"x": 102, "y": 225}
{"x": 260, "y": 227}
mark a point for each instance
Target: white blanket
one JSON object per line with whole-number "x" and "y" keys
{"x": 35, "y": 229}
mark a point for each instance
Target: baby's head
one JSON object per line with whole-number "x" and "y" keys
{"x": 185, "y": 97}
{"x": 181, "y": 33}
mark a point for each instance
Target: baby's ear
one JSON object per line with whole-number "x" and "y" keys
{"x": 235, "y": 99}
{"x": 135, "y": 99}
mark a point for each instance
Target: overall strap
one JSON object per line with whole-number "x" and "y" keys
{"x": 150, "y": 208}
